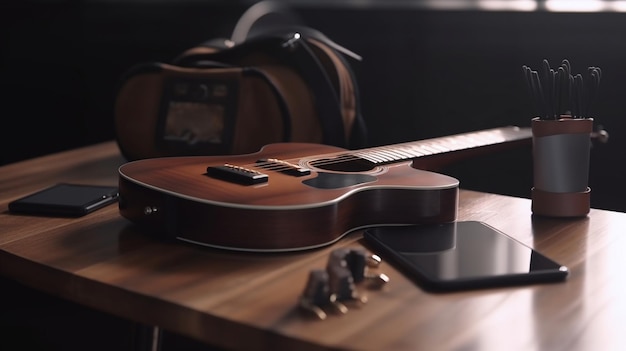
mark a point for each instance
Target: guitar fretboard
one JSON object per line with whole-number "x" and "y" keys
{"x": 457, "y": 142}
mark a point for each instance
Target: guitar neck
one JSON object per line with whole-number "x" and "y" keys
{"x": 434, "y": 153}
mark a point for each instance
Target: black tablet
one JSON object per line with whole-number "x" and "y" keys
{"x": 462, "y": 255}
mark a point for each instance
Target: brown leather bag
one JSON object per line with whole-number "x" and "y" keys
{"x": 287, "y": 84}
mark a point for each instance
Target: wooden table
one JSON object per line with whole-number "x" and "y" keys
{"x": 249, "y": 301}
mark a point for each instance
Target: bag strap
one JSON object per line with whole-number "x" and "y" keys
{"x": 282, "y": 104}
{"x": 345, "y": 79}
{"x": 327, "y": 98}
{"x": 269, "y": 18}
{"x": 342, "y": 94}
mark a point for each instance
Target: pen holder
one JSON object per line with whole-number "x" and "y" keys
{"x": 561, "y": 150}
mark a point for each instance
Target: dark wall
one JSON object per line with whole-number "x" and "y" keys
{"x": 425, "y": 73}
{"x": 61, "y": 61}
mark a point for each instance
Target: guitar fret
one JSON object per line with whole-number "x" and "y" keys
{"x": 389, "y": 155}
{"x": 370, "y": 157}
{"x": 438, "y": 147}
{"x": 417, "y": 150}
{"x": 453, "y": 144}
{"x": 466, "y": 144}
{"x": 400, "y": 154}
{"x": 429, "y": 149}
{"x": 381, "y": 155}
{"x": 471, "y": 141}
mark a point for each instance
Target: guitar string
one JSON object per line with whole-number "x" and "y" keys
{"x": 380, "y": 155}
{"x": 392, "y": 153}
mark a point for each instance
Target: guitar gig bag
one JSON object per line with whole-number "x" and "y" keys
{"x": 286, "y": 83}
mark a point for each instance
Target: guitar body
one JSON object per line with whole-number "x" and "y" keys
{"x": 303, "y": 199}
{"x": 298, "y": 196}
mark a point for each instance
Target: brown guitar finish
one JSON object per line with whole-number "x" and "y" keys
{"x": 174, "y": 196}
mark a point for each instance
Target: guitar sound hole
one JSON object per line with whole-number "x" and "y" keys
{"x": 344, "y": 164}
{"x": 337, "y": 181}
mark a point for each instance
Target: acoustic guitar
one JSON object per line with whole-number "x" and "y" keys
{"x": 298, "y": 196}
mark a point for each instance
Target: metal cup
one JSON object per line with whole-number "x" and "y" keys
{"x": 561, "y": 151}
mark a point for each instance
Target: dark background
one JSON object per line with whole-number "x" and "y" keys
{"x": 426, "y": 72}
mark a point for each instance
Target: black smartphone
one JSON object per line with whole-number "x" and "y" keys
{"x": 462, "y": 255}
{"x": 67, "y": 200}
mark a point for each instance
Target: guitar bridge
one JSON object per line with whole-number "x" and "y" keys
{"x": 237, "y": 174}
{"x": 283, "y": 167}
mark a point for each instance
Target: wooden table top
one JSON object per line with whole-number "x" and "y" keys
{"x": 249, "y": 301}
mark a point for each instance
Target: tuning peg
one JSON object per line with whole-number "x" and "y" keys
{"x": 341, "y": 284}
{"x": 316, "y": 293}
{"x": 377, "y": 281}
{"x": 373, "y": 261}
{"x": 337, "y": 283}
{"x": 355, "y": 259}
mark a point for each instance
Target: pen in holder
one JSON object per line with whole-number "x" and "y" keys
{"x": 561, "y": 149}
{"x": 561, "y": 138}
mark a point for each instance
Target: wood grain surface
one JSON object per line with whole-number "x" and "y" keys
{"x": 249, "y": 301}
